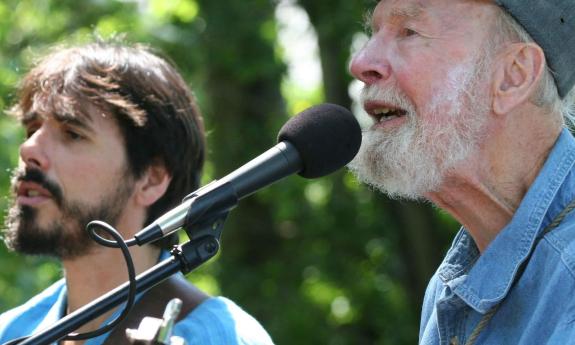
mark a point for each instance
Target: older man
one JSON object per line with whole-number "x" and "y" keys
{"x": 469, "y": 100}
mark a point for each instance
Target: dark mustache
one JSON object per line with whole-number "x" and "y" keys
{"x": 37, "y": 176}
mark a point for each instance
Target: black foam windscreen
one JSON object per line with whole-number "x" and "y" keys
{"x": 326, "y": 136}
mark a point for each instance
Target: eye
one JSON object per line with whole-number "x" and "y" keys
{"x": 407, "y": 32}
{"x": 30, "y": 130}
{"x": 73, "y": 134}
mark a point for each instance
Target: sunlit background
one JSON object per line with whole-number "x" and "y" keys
{"x": 324, "y": 261}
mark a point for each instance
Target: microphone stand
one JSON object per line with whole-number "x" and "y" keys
{"x": 203, "y": 245}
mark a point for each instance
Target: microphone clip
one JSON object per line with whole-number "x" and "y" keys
{"x": 204, "y": 242}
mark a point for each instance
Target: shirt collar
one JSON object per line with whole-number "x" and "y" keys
{"x": 484, "y": 280}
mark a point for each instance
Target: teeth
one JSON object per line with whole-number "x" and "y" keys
{"x": 33, "y": 193}
{"x": 382, "y": 111}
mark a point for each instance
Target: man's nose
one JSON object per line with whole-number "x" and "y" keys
{"x": 33, "y": 151}
{"x": 370, "y": 64}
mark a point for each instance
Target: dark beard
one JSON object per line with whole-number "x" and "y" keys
{"x": 65, "y": 238}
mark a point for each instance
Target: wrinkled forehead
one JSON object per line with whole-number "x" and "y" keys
{"x": 407, "y": 7}
{"x": 394, "y": 11}
{"x": 414, "y": 9}
{"x": 469, "y": 20}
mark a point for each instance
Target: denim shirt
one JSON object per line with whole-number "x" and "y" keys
{"x": 539, "y": 308}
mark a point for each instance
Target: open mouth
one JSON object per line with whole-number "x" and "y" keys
{"x": 32, "y": 190}
{"x": 387, "y": 114}
{"x": 381, "y": 113}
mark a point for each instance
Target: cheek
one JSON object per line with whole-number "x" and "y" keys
{"x": 427, "y": 68}
{"x": 444, "y": 89}
{"x": 420, "y": 82}
{"x": 88, "y": 179}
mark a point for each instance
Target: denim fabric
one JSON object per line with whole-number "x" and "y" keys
{"x": 540, "y": 307}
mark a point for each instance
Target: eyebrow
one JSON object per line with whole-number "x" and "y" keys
{"x": 60, "y": 117}
{"x": 412, "y": 11}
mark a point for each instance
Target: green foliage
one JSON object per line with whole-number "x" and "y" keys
{"x": 325, "y": 261}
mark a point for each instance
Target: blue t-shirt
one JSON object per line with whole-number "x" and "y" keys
{"x": 536, "y": 307}
{"x": 215, "y": 321}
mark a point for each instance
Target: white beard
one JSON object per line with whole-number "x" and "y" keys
{"x": 414, "y": 159}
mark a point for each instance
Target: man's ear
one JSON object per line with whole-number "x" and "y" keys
{"x": 152, "y": 185}
{"x": 517, "y": 76}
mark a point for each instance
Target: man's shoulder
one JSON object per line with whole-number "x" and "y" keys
{"x": 27, "y": 316}
{"x": 219, "y": 320}
{"x": 44, "y": 299}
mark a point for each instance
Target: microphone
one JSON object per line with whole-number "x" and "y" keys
{"x": 316, "y": 142}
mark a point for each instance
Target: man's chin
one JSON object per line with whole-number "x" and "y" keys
{"x": 397, "y": 189}
{"x": 27, "y": 233}
{"x": 49, "y": 245}
{"x": 400, "y": 181}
